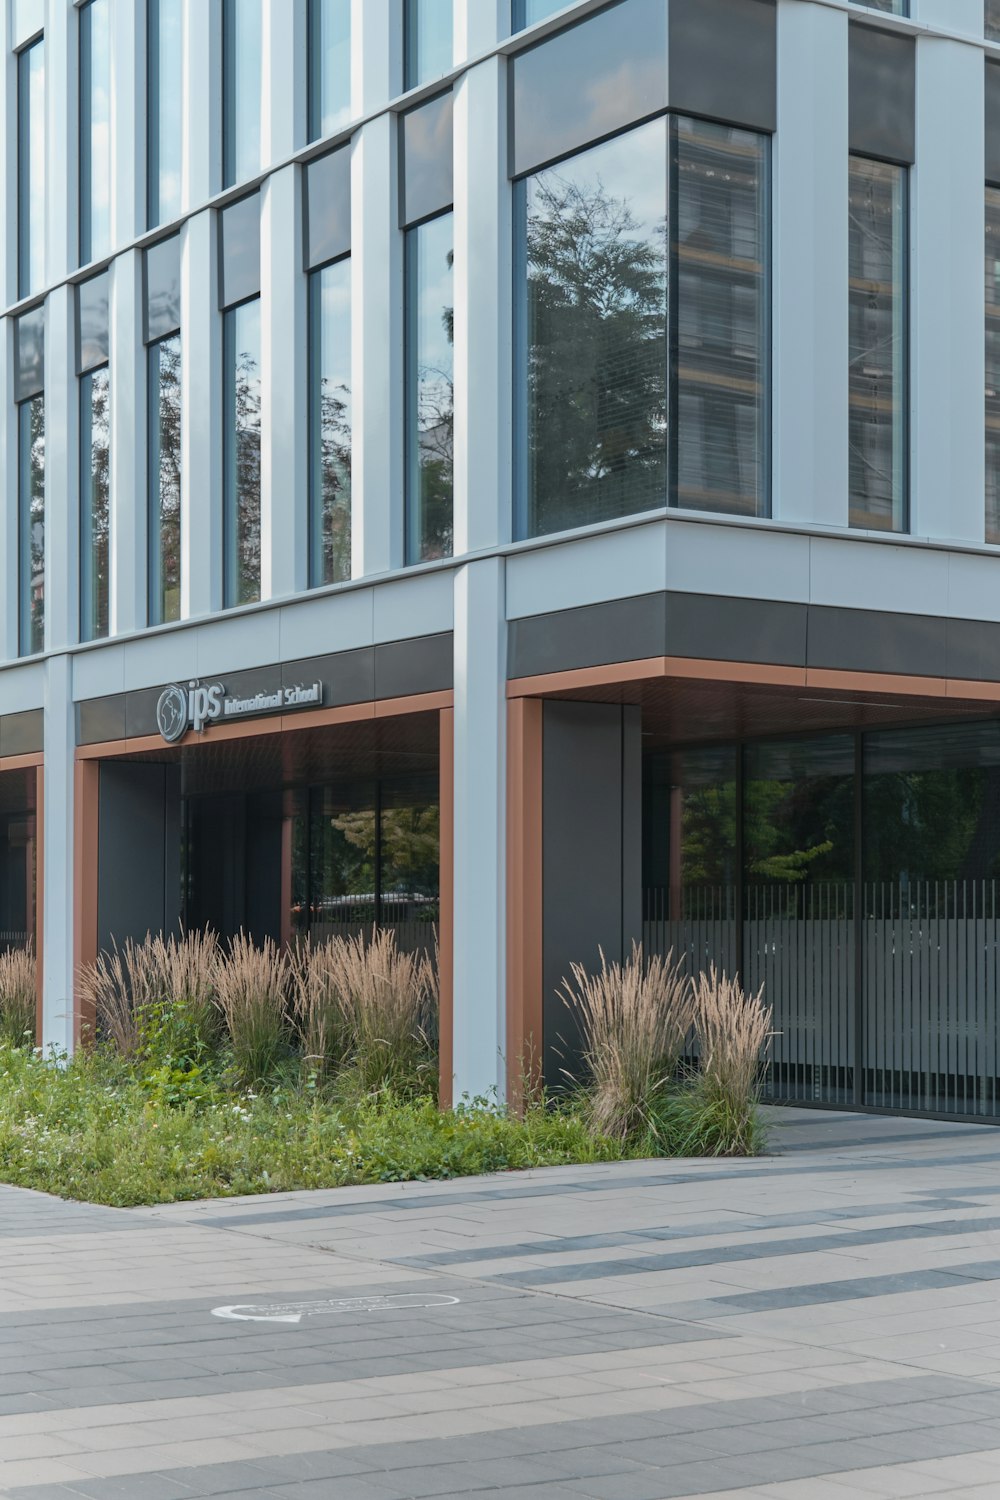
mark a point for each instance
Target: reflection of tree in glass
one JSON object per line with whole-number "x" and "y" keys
{"x": 410, "y": 841}
{"x": 170, "y": 477}
{"x": 100, "y": 497}
{"x": 36, "y": 440}
{"x": 247, "y": 444}
{"x": 597, "y": 355}
{"x": 436, "y": 425}
{"x": 335, "y": 478}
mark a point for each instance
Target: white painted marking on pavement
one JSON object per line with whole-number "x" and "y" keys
{"x": 294, "y": 1312}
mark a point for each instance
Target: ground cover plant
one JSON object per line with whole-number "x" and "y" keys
{"x": 215, "y": 1070}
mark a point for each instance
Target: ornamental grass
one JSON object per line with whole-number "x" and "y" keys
{"x": 18, "y": 996}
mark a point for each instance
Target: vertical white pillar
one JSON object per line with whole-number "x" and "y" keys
{"x": 376, "y": 53}
{"x": 9, "y": 597}
{"x": 947, "y": 310}
{"x": 129, "y": 573}
{"x": 201, "y": 429}
{"x": 286, "y": 83}
{"x": 58, "y": 862}
{"x": 8, "y": 158}
{"x": 955, "y": 15}
{"x": 478, "y": 25}
{"x": 376, "y": 350}
{"x": 128, "y": 113}
{"x": 202, "y": 108}
{"x": 480, "y": 828}
{"x": 62, "y": 106}
{"x": 62, "y": 472}
{"x": 809, "y": 280}
{"x": 284, "y": 436}
{"x": 483, "y": 311}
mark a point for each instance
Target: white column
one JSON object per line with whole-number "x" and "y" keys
{"x": 202, "y": 107}
{"x": 9, "y": 596}
{"x": 284, "y": 435}
{"x": 201, "y": 429}
{"x": 477, "y": 26}
{"x": 128, "y": 114}
{"x": 947, "y": 301}
{"x": 954, "y": 15}
{"x": 58, "y": 863}
{"x": 376, "y": 350}
{"x": 286, "y": 81}
{"x": 483, "y": 310}
{"x": 129, "y": 572}
{"x": 810, "y": 273}
{"x": 376, "y": 53}
{"x": 480, "y": 828}
{"x": 62, "y": 472}
{"x": 8, "y": 160}
{"x": 62, "y": 105}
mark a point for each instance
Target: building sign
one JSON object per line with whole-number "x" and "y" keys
{"x": 199, "y": 704}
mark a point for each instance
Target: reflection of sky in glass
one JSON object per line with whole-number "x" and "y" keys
{"x": 96, "y": 214}
{"x": 428, "y": 40}
{"x": 527, "y": 12}
{"x": 631, "y": 170}
{"x": 428, "y": 158}
{"x": 32, "y": 191}
{"x": 331, "y": 44}
{"x": 244, "y": 109}
{"x": 165, "y": 191}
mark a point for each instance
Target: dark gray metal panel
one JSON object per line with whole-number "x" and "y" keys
{"x": 973, "y": 649}
{"x": 881, "y": 92}
{"x": 239, "y": 251}
{"x": 427, "y": 165}
{"x": 993, "y": 122}
{"x": 591, "y": 636}
{"x": 581, "y": 861}
{"x": 171, "y": 848}
{"x": 869, "y": 640}
{"x": 723, "y": 60}
{"x": 131, "y": 852}
{"x": 347, "y": 676}
{"x": 23, "y": 733}
{"x": 246, "y": 684}
{"x": 29, "y": 354}
{"x": 99, "y": 719}
{"x": 422, "y": 665}
{"x": 721, "y": 629}
{"x": 93, "y": 326}
{"x": 163, "y": 288}
{"x": 631, "y": 827}
{"x": 140, "y": 711}
{"x": 328, "y": 207}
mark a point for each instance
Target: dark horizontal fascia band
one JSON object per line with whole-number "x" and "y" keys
{"x": 394, "y": 669}
{"x": 764, "y": 631}
{"x": 22, "y": 734}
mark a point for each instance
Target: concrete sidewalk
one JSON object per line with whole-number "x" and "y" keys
{"x": 815, "y": 1325}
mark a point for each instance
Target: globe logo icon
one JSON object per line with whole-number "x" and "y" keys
{"x": 172, "y": 713}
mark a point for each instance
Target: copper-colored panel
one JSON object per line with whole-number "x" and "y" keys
{"x": 39, "y": 909}
{"x": 85, "y": 799}
{"x": 446, "y": 930}
{"x": 524, "y": 898}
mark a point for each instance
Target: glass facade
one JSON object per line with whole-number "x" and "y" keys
{"x": 330, "y": 424}
{"x": 31, "y": 168}
{"x": 329, "y": 66}
{"x": 165, "y": 93}
{"x": 95, "y": 130}
{"x": 241, "y": 466}
{"x": 528, "y": 12}
{"x": 31, "y": 524}
{"x": 164, "y": 452}
{"x": 878, "y": 395}
{"x": 95, "y": 503}
{"x": 427, "y": 33}
{"x": 430, "y": 389}
{"x": 890, "y": 7}
{"x": 633, "y": 395}
{"x": 991, "y": 20}
{"x": 242, "y": 89}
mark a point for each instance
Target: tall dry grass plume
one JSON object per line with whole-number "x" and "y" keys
{"x": 733, "y": 1028}
{"x": 187, "y": 965}
{"x": 388, "y": 999}
{"x": 635, "y": 1019}
{"x": 251, "y": 986}
{"x": 18, "y": 996}
{"x": 118, "y": 987}
{"x": 321, "y": 1017}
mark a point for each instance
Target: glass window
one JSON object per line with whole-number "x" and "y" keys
{"x": 528, "y": 12}
{"x": 95, "y": 130}
{"x": 991, "y": 20}
{"x": 163, "y": 288}
{"x": 164, "y": 387}
{"x": 329, "y": 66}
{"x": 31, "y": 169}
{"x": 241, "y": 522}
{"x": 328, "y": 207}
{"x": 427, "y": 159}
{"x": 993, "y": 365}
{"x": 242, "y": 90}
{"x": 31, "y": 524}
{"x": 330, "y": 424}
{"x": 878, "y": 352}
{"x": 430, "y": 394}
{"x": 165, "y": 83}
{"x": 427, "y": 28}
{"x": 881, "y": 93}
{"x": 890, "y": 7}
{"x": 239, "y": 250}
{"x": 95, "y": 509}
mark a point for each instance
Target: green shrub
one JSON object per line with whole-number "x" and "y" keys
{"x": 251, "y": 989}
{"x": 18, "y": 996}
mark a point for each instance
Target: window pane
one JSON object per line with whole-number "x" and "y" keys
{"x": 31, "y": 529}
{"x": 242, "y": 455}
{"x": 329, "y": 66}
{"x": 595, "y": 333}
{"x": 877, "y": 390}
{"x": 991, "y": 21}
{"x": 430, "y": 396}
{"x": 31, "y": 168}
{"x": 330, "y": 424}
{"x": 93, "y": 321}
{"x": 242, "y": 89}
{"x": 427, "y": 26}
{"x": 165, "y": 480}
{"x": 328, "y": 207}
{"x": 993, "y": 365}
{"x": 29, "y": 354}
{"x": 163, "y": 288}
{"x": 95, "y": 131}
{"x": 890, "y": 7}
{"x": 165, "y": 83}
{"x": 239, "y": 250}
{"x": 95, "y": 515}
{"x": 528, "y": 12}
{"x": 720, "y": 344}
{"x": 427, "y": 159}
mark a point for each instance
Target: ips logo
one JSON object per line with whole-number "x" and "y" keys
{"x": 179, "y": 709}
